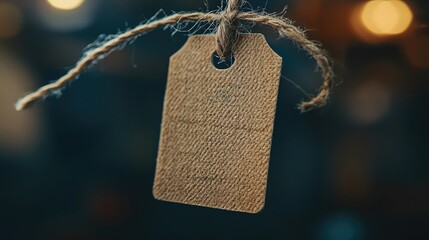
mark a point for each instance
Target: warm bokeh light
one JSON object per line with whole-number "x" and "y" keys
{"x": 369, "y": 103}
{"x": 386, "y": 17}
{"x": 66, "y": 4}
{"x": 10, "y": 20}
{"x": 73, "y": 14}
{"x": 19, "y": 133}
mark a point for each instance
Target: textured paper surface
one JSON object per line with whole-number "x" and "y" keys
{"x": 217, "y": 125}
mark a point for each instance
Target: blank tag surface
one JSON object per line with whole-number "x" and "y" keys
{"x": 217, "y": 125}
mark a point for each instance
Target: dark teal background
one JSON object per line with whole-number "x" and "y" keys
{"x": 335, "y": 174}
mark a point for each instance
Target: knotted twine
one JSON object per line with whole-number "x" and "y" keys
{"x": 226, "y": 37}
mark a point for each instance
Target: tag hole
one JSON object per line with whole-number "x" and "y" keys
{"x": 222, "y": 64}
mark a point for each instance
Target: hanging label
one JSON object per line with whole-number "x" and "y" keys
{"x": 217, "y": 125}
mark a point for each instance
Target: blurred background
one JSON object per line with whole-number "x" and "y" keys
{"x": 82, "y": 166}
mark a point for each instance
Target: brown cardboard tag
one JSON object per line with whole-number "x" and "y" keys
{"x": 217, "y": 125}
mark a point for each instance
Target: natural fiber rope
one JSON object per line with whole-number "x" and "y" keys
{"x": 281, "y": 25}
{"x": 226, "y": 34}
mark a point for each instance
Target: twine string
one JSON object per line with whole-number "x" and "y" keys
{"x": 226, "y": 37}
{"x": 227, "y": 34}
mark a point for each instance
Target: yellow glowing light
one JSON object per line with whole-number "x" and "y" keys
{"x": 386, "y": 17}
{"x": 66, "y": 4}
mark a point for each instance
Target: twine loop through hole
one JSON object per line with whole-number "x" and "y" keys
{"x": 226, "y": 37}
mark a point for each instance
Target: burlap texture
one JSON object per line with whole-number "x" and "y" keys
{"x": 217, "y": 125}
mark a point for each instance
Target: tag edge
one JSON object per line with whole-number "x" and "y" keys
{"x": 253, "y": 211}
